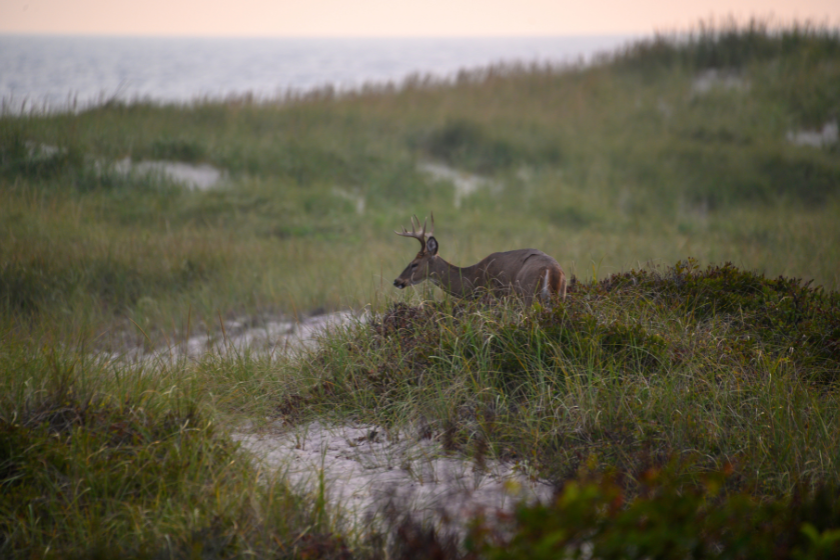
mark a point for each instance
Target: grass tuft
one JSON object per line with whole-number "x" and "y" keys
{"x": 629, "y": 372}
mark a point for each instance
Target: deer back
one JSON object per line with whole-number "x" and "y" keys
{"x": 520, "y": 271}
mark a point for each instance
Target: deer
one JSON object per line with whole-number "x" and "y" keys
{"x": 524, "y": 273}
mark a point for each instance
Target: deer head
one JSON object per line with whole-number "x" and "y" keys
{"x": 418, "y": 269}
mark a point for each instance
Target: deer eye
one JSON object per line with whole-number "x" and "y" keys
{"x": 413, "y": 266}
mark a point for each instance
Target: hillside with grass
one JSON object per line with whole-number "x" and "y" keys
{"x": 682, "y": 401}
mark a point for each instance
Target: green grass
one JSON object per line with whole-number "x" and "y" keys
{"x": 612, "y": 166}
{"x": 618, "y": 170}
{"x": 99, "y": 460}
{"x": 713, "y": 367}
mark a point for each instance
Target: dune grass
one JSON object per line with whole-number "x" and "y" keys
{"x": 710, "y": 367}
{"x": 104, "y": 460}
{"x": 611, "y": 166}
{"x": 674, "y": 147}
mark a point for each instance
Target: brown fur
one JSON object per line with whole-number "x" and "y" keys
{"x": 525, "y": 272}
{"x": 557, "y": 282}
{"x": 520, "y": 272}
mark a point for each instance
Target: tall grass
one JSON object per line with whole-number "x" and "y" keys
{"x": 624, "y": 165}
{"x": 100, "y": 460}
{"x": 714, "y": 367}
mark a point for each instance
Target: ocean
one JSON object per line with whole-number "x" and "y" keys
{"x": 58, "y": 73}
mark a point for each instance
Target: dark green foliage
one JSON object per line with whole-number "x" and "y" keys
{"x": 468, "y": 145}
{"x": 416, "y": 331}
{"x": 295, "y": 160}
{"x": 721, "y": 178}
{"x": 178, "y": 149}
{"x": 782, "y": 316}
{"x": 39, "y": 281}
{"x": 512, "y": 349}
{"x": 38, "y": 453}
{"x": 671, "y": 518}
{"x": 23, "y": 288}
{"x": 85, "y": 461}
{"x": 812, "y": 180}
{"x": 582, "y": 337}
{"x": 811, "y": 91}
{"x": 23, "y": 158}
{"x": 567, "y": 334}
{"x": 133, "y": 474}
{"x": 570, "y": 217}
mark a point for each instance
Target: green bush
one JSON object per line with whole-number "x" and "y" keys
{"x": 671, "y": 518}
{"x": 783, "y": 316}
{"x": 178, "y": 149}
{"x": 467, "y": 144}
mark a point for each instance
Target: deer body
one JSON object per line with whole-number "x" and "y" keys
{"x": 525, "y": 273}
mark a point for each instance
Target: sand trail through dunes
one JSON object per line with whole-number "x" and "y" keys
{"x": 246, "y": 336}
{"x": 366, "y": 468}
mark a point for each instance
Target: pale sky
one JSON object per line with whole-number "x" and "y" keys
{"x": 389, "y": 18}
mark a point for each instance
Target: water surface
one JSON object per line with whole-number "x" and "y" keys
{"x": 56, "y": 72}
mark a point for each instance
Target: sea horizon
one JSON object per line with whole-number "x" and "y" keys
{"x": 55, "y": 73}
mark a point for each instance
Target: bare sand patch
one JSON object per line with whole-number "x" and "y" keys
{"x": 357, "y": 199}
{"x": 247, "y": 336}
{"x": 464, "y": 183}
{"x": 196, "y": 177}
{"x": 366, "y": 468}
{"x": 718, "y": 78}
{"x": 824, "y": 137}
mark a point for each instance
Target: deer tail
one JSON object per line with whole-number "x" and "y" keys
{"x": 556, "y": 280}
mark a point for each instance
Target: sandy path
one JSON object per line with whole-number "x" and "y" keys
{"x": 364, "y": 469}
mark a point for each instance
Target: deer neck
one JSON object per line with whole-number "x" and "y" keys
{"x": 457, "y": 281}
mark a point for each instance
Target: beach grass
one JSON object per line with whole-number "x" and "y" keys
{"x": 642, "y": 174}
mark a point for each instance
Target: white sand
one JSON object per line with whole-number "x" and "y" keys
{"x": 364, "y": 468}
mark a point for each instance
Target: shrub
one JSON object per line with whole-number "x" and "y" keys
{"x": 592, "y": 517}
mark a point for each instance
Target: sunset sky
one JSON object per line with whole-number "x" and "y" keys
{"x": 388, "y": 18}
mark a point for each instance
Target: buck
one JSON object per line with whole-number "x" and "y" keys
{"x": 524, "y": 272}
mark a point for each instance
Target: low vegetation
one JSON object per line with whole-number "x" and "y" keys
{"x": 714, "y": 368}
{"x": 672, "y": 518}
{"x": 100, "y": 461}
{"x": 682, "y": 400}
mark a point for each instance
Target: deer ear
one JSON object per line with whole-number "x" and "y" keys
{"x": 432, "y": 246}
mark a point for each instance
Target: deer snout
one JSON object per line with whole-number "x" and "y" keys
{"x": 399, "y": 283}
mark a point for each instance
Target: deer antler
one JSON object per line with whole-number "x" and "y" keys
{"x": 421, "y": 236}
